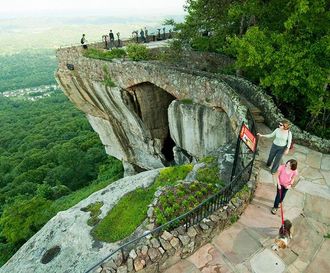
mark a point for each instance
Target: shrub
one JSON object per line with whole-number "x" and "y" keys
{"x": 124, "y": 218}
{"x": 104, "y": 55}
{"x": 117, "y": 53}
{"x": 163, "y": 200}
{"x": 171, "y": 198}
{"x": 204, "y": 190}
{"x": 193, "y": 187}
{"x": 209, "y": 159}
{"x": 234, "y": 218}
{"x": 137, "y": 52}
{"x": 192, "y": 199}
{"x": 181, "y": 187}
{"x": 209, "y": 175}
{"x": 169, "y": 212}
{"x": 176, "y": 207}
{"x": 185, "y": 203}
{"x": 172, "y": 54}
{"x": 160, "y": 218}
{"x": 180, "y": 193}
{"x": 198, "y": 194}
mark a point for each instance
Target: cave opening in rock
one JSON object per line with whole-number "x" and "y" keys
{"x": 167, "y": 149}
{"x": 151, "y": 103}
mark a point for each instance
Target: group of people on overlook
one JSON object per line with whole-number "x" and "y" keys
{"x": 141, "y": 36}
{"x": 108, "y": 39}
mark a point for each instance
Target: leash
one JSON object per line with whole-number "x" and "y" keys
{"x": 282, "y": 214}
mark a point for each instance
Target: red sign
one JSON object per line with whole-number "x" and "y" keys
{"x": 248, "y": 138}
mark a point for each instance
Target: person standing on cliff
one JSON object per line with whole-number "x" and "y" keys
{"x": 143, "y": 39}
{"x": 83, "y": 41}
{"x": 105, "y": 40}
{"x": 146, "y": 35}
{"x": 112, "y": 39}
{"x": 118, "y": 39}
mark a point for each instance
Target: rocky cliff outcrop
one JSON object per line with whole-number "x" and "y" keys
{"x": 132, "y": 115}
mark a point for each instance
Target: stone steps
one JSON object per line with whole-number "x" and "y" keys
{"x": 255, "y": 111}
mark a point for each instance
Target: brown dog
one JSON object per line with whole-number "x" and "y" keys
{"x": 284, "y": 236}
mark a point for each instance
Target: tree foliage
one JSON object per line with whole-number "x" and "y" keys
{"x": 17, "y": 71}
{"x": 283, "y": 45}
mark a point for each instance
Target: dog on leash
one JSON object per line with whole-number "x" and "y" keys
{"x": 284, "y": 236}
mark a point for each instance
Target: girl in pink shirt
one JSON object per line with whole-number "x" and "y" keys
{"x": 285, "y": 177}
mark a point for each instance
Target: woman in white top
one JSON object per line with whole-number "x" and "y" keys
{"x": 281, "y": 144}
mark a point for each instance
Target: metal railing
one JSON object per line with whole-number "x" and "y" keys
{"x": 123, "y": 42}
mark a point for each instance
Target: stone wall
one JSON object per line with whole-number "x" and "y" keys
{"x": 273, "y": 115}
{"x": 195, "y": 60}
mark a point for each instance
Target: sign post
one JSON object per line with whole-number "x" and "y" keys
{"x": 248, "y": 138}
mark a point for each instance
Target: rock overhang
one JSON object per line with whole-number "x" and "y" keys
{"x": 132, "y": 139}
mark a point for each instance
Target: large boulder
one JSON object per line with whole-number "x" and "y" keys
{"x": 198, "y": 129}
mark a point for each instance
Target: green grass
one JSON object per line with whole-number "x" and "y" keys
{"x": 95, "y": 211}
{"x": 131, "y": 210}
{"x": 125, "y": 217}
{"x": 170, "y": 176}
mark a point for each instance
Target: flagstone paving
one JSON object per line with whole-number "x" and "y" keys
{"x": 246, "y": 245}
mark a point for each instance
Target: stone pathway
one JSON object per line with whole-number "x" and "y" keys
{"x": 246, "y": 245}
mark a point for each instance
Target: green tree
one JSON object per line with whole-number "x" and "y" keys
{"x": 281, "y": 44}
{"x": 292, "y": 62}
{"x": 23, "y": 218}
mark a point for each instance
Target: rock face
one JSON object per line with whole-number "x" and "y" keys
{"x": 133, "y": 118}
{"x": 197, "y": 129}
{"x": 64, "y": 244}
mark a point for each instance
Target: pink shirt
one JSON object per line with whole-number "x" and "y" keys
{"x": 284, "y": 177}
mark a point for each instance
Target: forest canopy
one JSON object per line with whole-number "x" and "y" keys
{"x": 18, "y": 71}
{"x": 283, "y": 45}
{"x": 50, "y": 159}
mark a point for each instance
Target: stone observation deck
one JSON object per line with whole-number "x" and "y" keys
{"x": 153, "y": 107}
